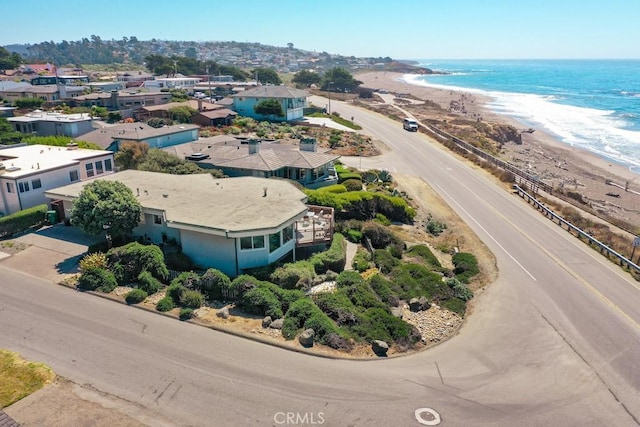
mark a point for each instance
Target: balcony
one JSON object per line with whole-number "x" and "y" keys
{"x": 316, "y": 227}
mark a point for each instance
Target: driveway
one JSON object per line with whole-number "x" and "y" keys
{"x": 51, "y": 252}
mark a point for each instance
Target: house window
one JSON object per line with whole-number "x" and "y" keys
{"x": 9, "y": 187}
{"x": 157, "y": 219}
{"x": 107, "y": 165}
{"x": 73, "y": 176}
{"x": 36, "y": 183}
{"x": 99, "y": 169}
{"x": 251, "y": 242}
{"x": 287, "y": 234}
{"x": 23, "y": 187}
{"x": 89, "y": 167}
{"x": 274, "y": 241}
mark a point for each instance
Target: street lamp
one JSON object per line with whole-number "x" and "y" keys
{"x": 329, "y": 87}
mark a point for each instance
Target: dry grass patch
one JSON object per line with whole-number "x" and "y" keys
{"x": 19, "y": 378}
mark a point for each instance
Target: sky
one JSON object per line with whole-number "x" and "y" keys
{"x": 400, "y": 29}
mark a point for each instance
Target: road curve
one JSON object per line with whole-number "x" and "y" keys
{"x": 555, "y": 341}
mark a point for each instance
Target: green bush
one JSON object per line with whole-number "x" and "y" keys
{"x": 191, "y": 299}
{"x": 423, "y": 251}
{"x": 460, "y": 290}
{"x": 379, "y": 235}
{"x": 456, "y": 305}
{"x": 416, "y": 280}
{"x": 378, "y": 324}
{"x": 215, "y": 285}
{"x": 333, "y": 259}
{"x": 349, "y": 278}
{"x": 175, "y": 292}
{"x": 361, "y": 261}
{"x": 148, "y": 283}
{"x": 179, "y": 262}
{"x": 353, "y": 184}
{"x": 93, "y": 260}
{"x": 361, "y": 295}
{"x": 385, "y": 262}
{"x": 363, "y": 205}
{"x": 165, "y": 304}
{"x": 336, "y": 188}
{"x": 342, "y": 177}
{"x": 354, "y": 236}
{"x": 434, "y": 227}
{"x": 305, "y": 314}
{"x": 382, "y": 287}
{"x": 186, "y": 313}
{"x": 465, "y": 266}
{"x": 381, "y": 219}
{"x": 135, "y": 296}
{"x": 22, "y": 220}
{"x": 262, "y": 301}
{"x": 337, "y": 306}
{"x": 135, "y": 258}
{"x": 187, "y": 279}
{"x": 242, "y": 284}
{"x": 97, "y": 279}
{"x": 297, "y": 275}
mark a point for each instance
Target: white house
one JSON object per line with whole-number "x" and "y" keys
{"x": 186, "y": 83}
{"x": 26, "y": 172}
{"x": 43, "y": 123}
{"x": 231, "y": 224}
{"x": 291, "y": 100}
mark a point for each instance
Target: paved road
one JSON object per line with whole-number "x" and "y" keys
{"x": 555, "y": 341}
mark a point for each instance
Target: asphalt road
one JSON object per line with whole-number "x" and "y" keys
{"x": 555, "y": 341}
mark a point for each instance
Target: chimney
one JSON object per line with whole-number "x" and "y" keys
{"x": 114, "y": 99}
{"x": 200, "y": 105}
{"x": 308, "y": 144}
{"x": 254, "y": 146}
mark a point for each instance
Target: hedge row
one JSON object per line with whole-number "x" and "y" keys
{"x": 333, "y": 259}
{"x": 23, "y": 220}
{"x": 363, "y": 205}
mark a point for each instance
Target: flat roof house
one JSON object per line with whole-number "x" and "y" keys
{"x": 43, "y": 123}
{"x": 26, "y": 172}
{"x": 231, "y": 224}
{"x": 291, "y": 100}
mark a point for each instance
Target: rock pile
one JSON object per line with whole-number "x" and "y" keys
{"x": 434, "y": 324}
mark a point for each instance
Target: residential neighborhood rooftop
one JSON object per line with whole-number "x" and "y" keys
{"x": 105, "y": 136}
{"x": 272, "y": 92}
{"x": 221, "y": 205}
{"x": 23, "y": 161}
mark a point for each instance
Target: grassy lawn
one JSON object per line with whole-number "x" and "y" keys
{"x": 19, "y": 378}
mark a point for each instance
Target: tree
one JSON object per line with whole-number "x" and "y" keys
{"x": 7, "y": 134}
{"x": 8, "y": 60}
{"x": 157, "y": 160}
{"x": 267, "y": 76}
{"x": 306, "y": 78}
{"x": 131, "y": 154}
{"x": 269, "y": 107}
{"x": 339, "y": 80}
{"x": 182, "y": 114}
{"x": 106, "y": 205}
{"x": 24, "y": 103}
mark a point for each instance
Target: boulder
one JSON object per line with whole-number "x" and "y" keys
{"x": 223, "y": 313}
{"x": 266, "y": 322}
{"x": 277, "y": 324}
{"x": 424, "y": 303}
{"x": 380, "y": 348}
{"x": 306, "y": 338}
{"x": 414, "y": 304}
{"x": 397, "y": 311}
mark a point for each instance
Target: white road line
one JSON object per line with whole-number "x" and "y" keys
{"x": 488, "y": 234}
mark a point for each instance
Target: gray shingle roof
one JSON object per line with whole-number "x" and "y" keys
{"x": 7, "y": 421}
{"x": 272, "y": 92}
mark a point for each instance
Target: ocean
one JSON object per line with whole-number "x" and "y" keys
{"x": 591, "y": 104}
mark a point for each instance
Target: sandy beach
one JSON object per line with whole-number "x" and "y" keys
{"x": 540, "y": 153}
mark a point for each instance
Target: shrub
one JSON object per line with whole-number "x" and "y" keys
{"x": 361, "y": 295}
{"x": 261, "y": 300}
{"x": 187, "y": 279}
{"x": 460, "y": 290}
{"x": 148, "y": 283}
{"x": 186, "y": 313}
{"x": 97, "y": 279}
{"x": 165, "y": 304}
{"x": 136, "y": 258}
{"x": 465, "y": 266}
{"x": 175, "y": 292}
{"x": 242, "y": 284}
{"x": 136, "y": 296}
{"x": 22, "y": 220}
{"x": 298, "y": 275}
{"x": 361, "y": 261}
{"x": 384, "y": 260}
{"x": 435, "y": 228}
{"x": 378, "y": 324}
{"x": 93, "y": 260}
{"x": 456, "y": 305}
{"x": 415, "y": 280}
{"x": 215, "y": 285}
{"x": 352, "y": 184}
{"x": 333, "y": 259}
{"x": 305, "y": 314}
{"x": 382, "y": 287}
{"x": 337, "y": 306}
{"x": 379, "y": 235}
{"x": 354, "y": 236}
{"x": 191, "y": 299}
{"x": 349, "y": 278}
{"x": 381, "y": 219}
{"x": 336, "y": 188}
{"x": 345, "y": 176}
{"x": 179, "y": 262}
{"x": 425, "y": 253}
